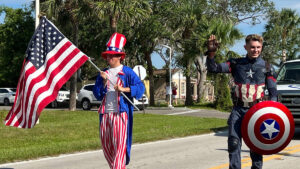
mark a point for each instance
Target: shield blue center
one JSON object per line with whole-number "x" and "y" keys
{"x": 269, "y": 129}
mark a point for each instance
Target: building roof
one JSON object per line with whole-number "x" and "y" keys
{"x": 164, "y": 71}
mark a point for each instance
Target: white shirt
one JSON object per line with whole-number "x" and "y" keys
{"x": 168, "y": 90}
{"x": 111, "y": 104}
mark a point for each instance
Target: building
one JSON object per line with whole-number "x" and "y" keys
{"x": 178, "y": 79}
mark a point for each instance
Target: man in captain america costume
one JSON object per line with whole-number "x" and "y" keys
{"x": 116, "y": 112}
{"x": 251, "y": 76}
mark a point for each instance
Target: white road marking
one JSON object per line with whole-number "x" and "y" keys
{"x": 185, "y": 112}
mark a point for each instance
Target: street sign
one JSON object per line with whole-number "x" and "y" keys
{"x": 140, "y": 71}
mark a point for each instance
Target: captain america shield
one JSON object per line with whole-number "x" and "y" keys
{"x": 268, "y": 127}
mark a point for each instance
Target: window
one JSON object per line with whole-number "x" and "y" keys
{"x": 89, "y": 87}
{"x": 182, "y": 88}
{"x": 3, "y": 91}
{"x": 289, "y": 73}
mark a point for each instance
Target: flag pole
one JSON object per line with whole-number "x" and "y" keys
{"x": 37, "y": 12}
{"x": 112, "y": 83}
{"x": 37, "y": 21}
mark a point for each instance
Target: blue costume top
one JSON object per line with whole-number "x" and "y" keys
{"x": 250, "y": 77}
{"x": 137, "y": 89}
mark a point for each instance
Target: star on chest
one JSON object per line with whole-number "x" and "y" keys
{"x": 250, "y": 73}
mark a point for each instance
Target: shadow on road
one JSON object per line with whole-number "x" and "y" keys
{"x": 222, "y": 132}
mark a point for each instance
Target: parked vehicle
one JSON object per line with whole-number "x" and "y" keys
{"x": 139, "y": 103}
{"x": 288, "y": 87}
{"x": 86, "y": 97}
{"x": 63, "y": 97}
{"x": 7, "y": 96}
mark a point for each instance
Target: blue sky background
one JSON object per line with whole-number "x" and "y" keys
{"x": 157, "y": 61}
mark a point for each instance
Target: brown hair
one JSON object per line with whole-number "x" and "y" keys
{"x": 254, "y": 37}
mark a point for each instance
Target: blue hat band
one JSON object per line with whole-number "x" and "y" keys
{"x": 113, "y": 49}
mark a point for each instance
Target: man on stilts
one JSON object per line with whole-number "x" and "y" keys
{"x": 116, "y": 112}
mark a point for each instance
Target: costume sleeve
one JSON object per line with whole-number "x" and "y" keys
{"x": 213, "y": 67}
{"x": 271, "y": 84}
{"x": 99, "y": 90}
{"x": 137, "y": 87}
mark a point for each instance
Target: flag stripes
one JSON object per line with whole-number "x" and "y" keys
{"x": 39, "y": 86}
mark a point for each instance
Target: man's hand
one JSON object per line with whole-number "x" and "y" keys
{"x": 104, "y": 77}
{"x": 121, "y": 89}
{"x": 212, "y": 46}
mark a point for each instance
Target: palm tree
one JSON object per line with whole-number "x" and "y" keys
{"x": 68, "y": 14}
{"x": 226, "y": 34}
{"x": 131, "y": 11}
{"x": 282, "y": 36}
{"x": 188, "y": 17}
{"x": 149, "y": 34}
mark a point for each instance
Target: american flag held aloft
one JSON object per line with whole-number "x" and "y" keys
{"x": 50, "y": 61}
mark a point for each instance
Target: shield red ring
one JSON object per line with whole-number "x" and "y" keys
{"x": 268, "y": 127}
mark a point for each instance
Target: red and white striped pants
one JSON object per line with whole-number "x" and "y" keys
{"x": 113, "y": 129}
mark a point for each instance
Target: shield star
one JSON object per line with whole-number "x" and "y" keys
{"x": 250, "y": 73}
{"x": 270, "y": 129}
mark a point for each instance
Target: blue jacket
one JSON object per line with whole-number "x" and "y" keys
{"x": 129, "y": 79}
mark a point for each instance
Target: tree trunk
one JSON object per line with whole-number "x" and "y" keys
{"x": 202, "y": 73}
{"x": 113, "y": 23}
{"x": 73, "y": 79}
{"x": 151, "y": 78}
{"x": 198, "y": 87}
{"x": 201, "y": 85}
{"x": 188, "y": 99}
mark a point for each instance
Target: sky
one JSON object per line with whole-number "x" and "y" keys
{"x": 156, "y": 59}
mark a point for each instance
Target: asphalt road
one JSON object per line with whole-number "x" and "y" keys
{"x": 196, "y": 152}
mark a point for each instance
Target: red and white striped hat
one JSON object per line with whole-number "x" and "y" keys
{"x": 115, "y": 45}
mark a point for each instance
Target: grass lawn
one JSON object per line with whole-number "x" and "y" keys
{"x": 65, "y": 132}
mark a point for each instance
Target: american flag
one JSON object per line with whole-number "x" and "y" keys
{"x": 50, "y": 61}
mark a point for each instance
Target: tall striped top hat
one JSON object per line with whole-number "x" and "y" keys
{"x": 115, "y": 45}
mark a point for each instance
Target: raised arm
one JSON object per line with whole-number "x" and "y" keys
{"x": 212, "y": 66}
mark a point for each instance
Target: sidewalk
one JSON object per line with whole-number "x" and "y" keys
{"x": 184, "y": 111}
